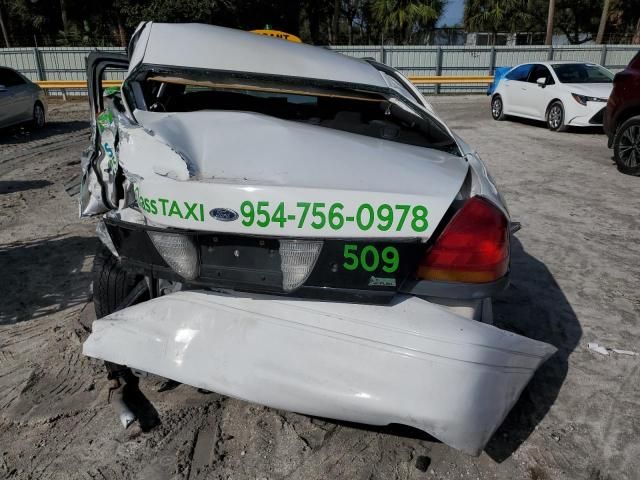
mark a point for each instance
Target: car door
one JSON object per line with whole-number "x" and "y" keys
{"x": 514, "y": 90}
{"x": 15, "y": 98}
{"x": 6, "y": 104}
{"x": 22, "y": 94}
{"x": 97, "y": 188}
{"x": 539, "y": 96}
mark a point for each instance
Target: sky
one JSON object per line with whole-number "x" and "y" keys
{"x": 453, "y": 13}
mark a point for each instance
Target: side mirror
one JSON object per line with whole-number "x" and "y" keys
{"x": 542, "y": 82}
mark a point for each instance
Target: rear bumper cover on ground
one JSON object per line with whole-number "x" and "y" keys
{"x": 412, "y": 362}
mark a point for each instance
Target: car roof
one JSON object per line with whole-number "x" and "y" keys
{"x": 558, "y": 62}
{"x": 196, "y": 45}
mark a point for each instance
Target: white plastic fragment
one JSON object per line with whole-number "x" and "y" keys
{"x": 605, "y": 351}
{"x": 598, "y": 348}
{"x": 625, "y": 352}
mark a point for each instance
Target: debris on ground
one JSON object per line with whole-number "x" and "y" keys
{"x": 596, "y": 347}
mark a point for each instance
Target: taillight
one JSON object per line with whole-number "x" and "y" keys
{"x": 473, "y": 248}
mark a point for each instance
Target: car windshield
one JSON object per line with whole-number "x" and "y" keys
{"x": 373, "y": 114}
{"x": 582, "y": 73}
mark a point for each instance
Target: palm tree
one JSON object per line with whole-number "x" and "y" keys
{"x": 497, "y": 15}
{"x": 402, "y": 17}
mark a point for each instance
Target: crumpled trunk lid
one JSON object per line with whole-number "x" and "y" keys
{"x": 209, "y": 162}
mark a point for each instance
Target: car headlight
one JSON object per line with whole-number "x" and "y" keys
{"x": 179, "y": 251}
{"x": 583, "y": 99}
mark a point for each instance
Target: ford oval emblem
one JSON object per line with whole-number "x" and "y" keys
{"x": 224, "y": 214}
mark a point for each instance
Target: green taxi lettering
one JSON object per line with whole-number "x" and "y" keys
{"x": 171, "y": 208}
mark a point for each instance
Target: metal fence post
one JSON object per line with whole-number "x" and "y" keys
{"x": 382, "y": 54}
{"x": 492, "y": 61}
{"x": 38, "y": 62}
{"x": 603, "y": 55}
{"x": 550, "y": 53}
{"x": 438, "y": 67}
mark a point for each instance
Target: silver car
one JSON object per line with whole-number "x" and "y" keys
{"x": 21, "y": 100}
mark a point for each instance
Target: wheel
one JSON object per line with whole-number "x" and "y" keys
{"x": 38, "y": 116}
{"x": 113, "y": 286}
{"x": 497, "y": 108}
{"x": 626, "y": 146}
{"x": 555, "y": 117}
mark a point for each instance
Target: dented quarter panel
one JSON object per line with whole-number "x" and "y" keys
{"x": 100, "y": 166}
{"x": 412, "y": 362}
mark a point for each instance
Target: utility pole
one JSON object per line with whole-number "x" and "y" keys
{"x": 5, "y": 35}
{"x": 603, "y": 21}
{"x": 552, "y": 10}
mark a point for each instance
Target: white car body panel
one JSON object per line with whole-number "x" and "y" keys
{"x": 200, "y": 46}
{"x": 529, "y": 100}
{"x": 226, "y": 158}
{"x": 412, "y": 362}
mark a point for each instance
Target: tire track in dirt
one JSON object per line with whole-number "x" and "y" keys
{"x": 11, "y": 160}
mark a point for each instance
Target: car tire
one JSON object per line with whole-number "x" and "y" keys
{"x": 39, "y": 119}
{"x": 555, "y": 117}
{"x": 112, "y": 284}
{"x": 626, "y": 146}
{"x": 497, "y": 108}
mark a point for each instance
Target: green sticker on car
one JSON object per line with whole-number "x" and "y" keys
{"x": 370, "y": 258}
{"x": 319, "y": 215}
{"x": 168, "y": 207}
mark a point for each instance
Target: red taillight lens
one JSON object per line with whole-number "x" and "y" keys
{"x": 473, "y": 248}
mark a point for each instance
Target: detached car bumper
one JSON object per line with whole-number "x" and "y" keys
{"x": 411, "y": 362}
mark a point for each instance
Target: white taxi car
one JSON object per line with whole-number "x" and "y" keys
{"x": 292, "y": 227}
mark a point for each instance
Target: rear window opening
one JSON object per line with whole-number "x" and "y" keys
{"x": 370, "y": 114}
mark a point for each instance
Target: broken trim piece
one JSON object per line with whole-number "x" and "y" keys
{"x": 257, "y": 88}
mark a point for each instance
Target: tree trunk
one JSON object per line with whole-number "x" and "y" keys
{"x": 5, "y": 34}
{"x": 314, "y": 24}
{"x": 63, "y": 14}
{"x": 603, "y": 21}
{"x": 335, "y": 21}
{"x": 552, "y": 10}
{"x": 122, "y": 34}
{"x": 636, "y": 36}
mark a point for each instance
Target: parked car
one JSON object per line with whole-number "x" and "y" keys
{"x": 296, "y": 228}
{"x": 562, "y": 94}
{"x": 622, "y": 118}
{"x": 21, "y": 100}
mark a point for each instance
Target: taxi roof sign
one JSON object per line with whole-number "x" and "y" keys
{"x": 278, "y": 34}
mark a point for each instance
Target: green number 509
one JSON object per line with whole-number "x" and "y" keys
{"x": 369, "y": 258}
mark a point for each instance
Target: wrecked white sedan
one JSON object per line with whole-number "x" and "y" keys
{"x": 288, "y": 226}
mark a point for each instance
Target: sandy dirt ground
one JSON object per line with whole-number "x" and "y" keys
{"x": 575, "y": 280}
